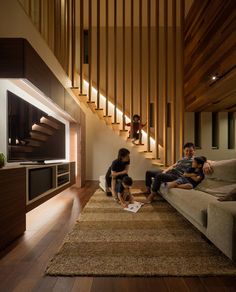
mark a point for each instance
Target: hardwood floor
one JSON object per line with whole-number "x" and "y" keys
{"x": 23, "y": 263}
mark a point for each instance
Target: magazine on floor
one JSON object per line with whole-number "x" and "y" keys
{"x": 134, "y": 207}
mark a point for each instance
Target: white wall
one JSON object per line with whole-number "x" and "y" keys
{"x": 206, "y": 135}
{"x": 102, "y": 146}
{"x": 5, "y": 85}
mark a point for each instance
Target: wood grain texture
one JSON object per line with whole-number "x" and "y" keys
{"x": 12, "y": 204}
{"x": 210, "y": 49}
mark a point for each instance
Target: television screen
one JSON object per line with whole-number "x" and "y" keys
{"x": 33, "y": 135}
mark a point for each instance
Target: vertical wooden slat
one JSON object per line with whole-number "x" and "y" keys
{"x": 51, "y": 25}
{"x": 30, "y": 9}
{"x": 149, "y": 72}
{"x": 182, "y": 101}
{"x": 40, "y": 16}
{"x": 165, "y": 83}
{"x": 64, "y": 40}
{"x": 48, "y": 26}
{"x": 69, "y": 37}
{"x": 90, "y": 50}
{"x": 107, "y": 56}
{"x": 124, "y": 75}
{"x": 81, "y": 45}
{"x": 132, "y": 64}
{"x": 157, "y": 83}
{"x": 98, "y": 54}
{"x": 173, "y": 96}
{"x": 140, "y": 64}
{"x": 73, "y": 42}
{"x": 115, "y": 61}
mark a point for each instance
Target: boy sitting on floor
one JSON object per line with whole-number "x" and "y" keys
{"x": 123, "y": 191}
{"x": 192, "y": 177}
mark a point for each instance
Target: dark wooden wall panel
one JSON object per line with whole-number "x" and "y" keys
{"x": 18, "y": 59}
{"x": 57, "y": 93}
{"x": 72, "y": 107}
{"x": 35, "y": 70}
{"x": 210, "y": 48}
{"x": 12, "y": 204}
{"x": 11, "y": 58}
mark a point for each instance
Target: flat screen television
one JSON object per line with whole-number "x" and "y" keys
{"x": 33, "y": 135}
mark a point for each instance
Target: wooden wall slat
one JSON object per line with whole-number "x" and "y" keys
{"x": 157, "y": 84}
{"x": 90, "y": 50}
{"x": 173, "y": 96}
{"x": 209, "y": 49}
{"x": 140, "y": 64}
{"x": 107, "y": 56}
{"x": 98, "y": 54}
{"x": 124, "y": 74}
{"x": 182, "y": 100}
{"x": 132, "y": 64}
{"x": 115, "y": 61}
{"x": 165, "y": 83}
{"x": 149, "y": 73}
{"x": 81, "y": 45}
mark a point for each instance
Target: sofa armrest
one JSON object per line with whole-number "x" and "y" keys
{"x": 221, "y": 226}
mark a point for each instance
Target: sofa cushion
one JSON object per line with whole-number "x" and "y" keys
{"x": 191, "y": 202}
{"x": 216, "y": 187}
{"x": 221, "y": 228}
{"x": 224, "y": 170}
{"x": 102, "y": 183}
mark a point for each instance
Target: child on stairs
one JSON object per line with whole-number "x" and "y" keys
{"x": 135, "y": 132}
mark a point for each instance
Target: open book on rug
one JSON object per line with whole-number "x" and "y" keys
{"x": 134, "y": 207}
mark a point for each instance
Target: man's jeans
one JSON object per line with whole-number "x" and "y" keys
{"x": 159, "y": 178}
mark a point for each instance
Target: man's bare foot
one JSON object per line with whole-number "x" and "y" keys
{"x": 149, "y": 198}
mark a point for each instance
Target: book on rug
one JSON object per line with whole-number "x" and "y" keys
{"x": 134, "y": 207}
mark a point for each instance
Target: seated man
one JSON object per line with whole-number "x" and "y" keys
{"x": 192, "y": 177}
{"x": 173, "y": 172}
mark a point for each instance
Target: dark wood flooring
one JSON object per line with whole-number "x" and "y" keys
{"x": 23, "y": 263}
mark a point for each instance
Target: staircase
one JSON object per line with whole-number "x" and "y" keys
{"x": 116, "y": 128}
{"x": 39, "y": 134}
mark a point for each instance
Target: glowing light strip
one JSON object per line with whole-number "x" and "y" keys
{"x": 111, "y": 105}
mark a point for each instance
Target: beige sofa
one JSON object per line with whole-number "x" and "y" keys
{"x": 216, "y": 220}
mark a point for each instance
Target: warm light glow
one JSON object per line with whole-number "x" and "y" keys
{"x": 34, "y": 126}
{"x": 119, "y": 112}
{"x": 213, "y": 77}
{"x": 42, "y": 119}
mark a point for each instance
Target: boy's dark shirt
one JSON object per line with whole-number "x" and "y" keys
{"x": 199, "y": 172}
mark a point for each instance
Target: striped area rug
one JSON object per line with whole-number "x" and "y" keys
{"x": 156, "y": 241}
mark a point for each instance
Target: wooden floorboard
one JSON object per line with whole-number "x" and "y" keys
{"x": 22, "y": 264}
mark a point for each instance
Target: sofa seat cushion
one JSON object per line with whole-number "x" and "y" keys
{"x": 191, "y": 202}
{"x": 224, "y": 170}
{"x": 216, "y": 187}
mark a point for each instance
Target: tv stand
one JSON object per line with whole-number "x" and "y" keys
{"x": 23, "y": 188}
{"x": 32, "y": 163}
{"x": 44, "y": 181}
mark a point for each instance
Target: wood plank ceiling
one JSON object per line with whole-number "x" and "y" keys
{"x": 210, "y": 50}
